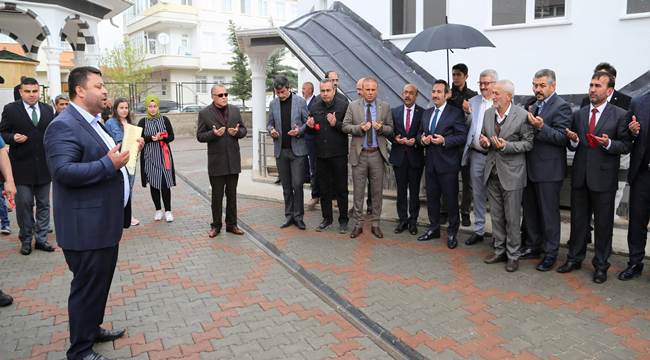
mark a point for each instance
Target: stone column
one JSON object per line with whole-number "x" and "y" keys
{"x": 53, "y": 70}
{"x": 258, "y": 98}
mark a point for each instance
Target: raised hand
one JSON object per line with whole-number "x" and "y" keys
{"x": 331, "y": 118}
{"x": 274, "y": 133}
{"x": 118, "y": 158}
{"x": 571, "y": 135}
{"x": 233, "y": 131}
{"x": 20, "y": 138}
{"x": 536, "y": 121}
{"x": 634, "y": 126}
{"x": 484, "y": 141}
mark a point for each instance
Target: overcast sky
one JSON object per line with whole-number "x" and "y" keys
{"x": 108, "y": 35}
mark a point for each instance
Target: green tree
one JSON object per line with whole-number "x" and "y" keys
{"x": 123, "y": 67}
{"x": 241, "y": 81}
{"x": 275, "y": 67}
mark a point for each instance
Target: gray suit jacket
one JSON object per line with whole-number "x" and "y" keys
{"x": 475, "y": 122}
{"x": 299, "y": 114}
{"x": 511, "y": 161}
{"x": 355, "y": 117}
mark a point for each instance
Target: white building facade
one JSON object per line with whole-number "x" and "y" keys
{"x": 568, "y": 36}
{"x": 186, "y": 41}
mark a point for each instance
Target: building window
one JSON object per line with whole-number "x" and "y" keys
{"x": 549, "y": 9}
{"x": 186, "y": 2}
{"x": 201, "y": 84}
{"x": 245, "y": 6}
{"x": 638, "y": 6}
{"x": 403, "y": 16}
{"x": 184, "y": 48}
{"x": 506, "y": 12}
{"x": 219, "y": 80}
{"x": 509, "y": 12}
{"x": 163, "y": 86}
{"x": 227, "y": 5}
{"x": 263, "y": 7}
{"x": 434, "y": 13}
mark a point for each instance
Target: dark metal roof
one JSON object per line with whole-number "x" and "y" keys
{"x": 338, "y": 39}
{"x": 638, "y": 86}
{"x": 8, "y": 55}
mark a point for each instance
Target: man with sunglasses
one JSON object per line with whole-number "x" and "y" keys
{"x": 220, "y": 126}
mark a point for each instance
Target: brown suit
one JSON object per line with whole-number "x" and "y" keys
{"x": 368, "y": 164}
{"x": 224, "y": 159}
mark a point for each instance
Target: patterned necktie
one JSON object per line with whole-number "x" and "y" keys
{"x": 540, "y": 106}
{"x": 408, "y": 120}
{"x": 34, "y": 115}
{"x": 592, "y": 127}
{"x": 368, "y": 119}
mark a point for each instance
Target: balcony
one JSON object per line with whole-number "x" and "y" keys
{"x": 163, "y": 16}
{"x": 164, "y": 61}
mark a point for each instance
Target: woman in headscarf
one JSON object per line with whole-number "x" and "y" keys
{"x": 115, "y": 126}
{"x": 157, "y": 164}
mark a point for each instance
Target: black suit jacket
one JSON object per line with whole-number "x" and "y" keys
{"x": 597, "y": 168}
{"x": 547, "y": 160}
{"x": 618, "y": 98}
{"x": 398, "y": 151}
{"x": 28, "y": 162}
{"x": 640, "y": 107}
{"x": 224, "y": 157}
{"x": 451, "y": 125}
{"x": 330, "y": 141}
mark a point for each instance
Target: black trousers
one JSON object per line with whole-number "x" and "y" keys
{"x": 542, "y": 213}
{"x": 333, "y": 181}
{"x": 164, "y": 192}
{"x": 602, "y": 204}
{"x": 292, "y": 176}
{"x": 407, "y": 179}
{"x": 439, "y": 185}
{"x": 637, "y": 232}
{"x": 92, "y": 276}
{"x": 224, "y": 184}
{"x": 466, "y": 196}
{"x": 311, "y": 172}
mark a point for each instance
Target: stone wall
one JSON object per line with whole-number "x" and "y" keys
{"x": 184, "y": 124}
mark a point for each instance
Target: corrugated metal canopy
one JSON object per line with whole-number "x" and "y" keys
{"x": 338, "y": 39}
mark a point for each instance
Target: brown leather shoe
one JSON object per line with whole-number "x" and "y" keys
{"x": 234, "y": 229}
{"x": 376, "y": 230}
{"x": 213, "y": 232}
{"x": 356, "y": 231}
{"x": 512, "y": 265}
{"x": 494, "y": 258}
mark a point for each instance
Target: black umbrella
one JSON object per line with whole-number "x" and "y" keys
{"x": 447, "y": 36}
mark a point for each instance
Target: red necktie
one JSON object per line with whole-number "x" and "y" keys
{"x": 592, "y": 127}
{"x": 408, "y": 120}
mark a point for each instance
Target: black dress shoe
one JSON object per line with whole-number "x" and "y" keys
{"x": 5, "y": 300}
{"x": 105, "y": 335}
{"x": 45, "y": 246}
{"x": 92, "y": 355}
{"x": 512, "y": 265}
{"x": 26, "y": 249}
{"x": 452, "y": 241}
{"x": 600, "y": 276}
{"x": 494, "y": 258}
{"x": 430, "y": 234}
{"x": 528, "y": 253}
{"x": 631, "y": 271}
{"x": 343, "y": 228}
{"x": 234, "y": 229}
{"x": 465, "y": 221}
{"x": 300, "y": 224}
{"x": 546, "y": 264}
{"x": 323, "y": 225}
{"x": 569, "y": 266}
{"x": 413, "y": 229}
{"x": 474, "y": 239}
{"x": 287, "y": 223}
{"x": 401, "y": 227}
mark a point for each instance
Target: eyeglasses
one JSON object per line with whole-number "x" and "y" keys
{"x": 221, "y": 95}
{"x": 485, "y": 83}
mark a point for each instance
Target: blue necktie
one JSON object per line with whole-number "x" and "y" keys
{"x": 540, "y": 106}
{"x": 434, "y": 120}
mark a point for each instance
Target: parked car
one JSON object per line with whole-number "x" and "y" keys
{"x": 166, "y": 106}
{"x": 192, "y": 108}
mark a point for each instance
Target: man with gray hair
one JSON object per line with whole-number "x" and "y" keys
{"x": 546, "y": 167}
{"x": 475, "y": 155}
{"x": 506, "y": 136}
{"x": 60, "y": 103}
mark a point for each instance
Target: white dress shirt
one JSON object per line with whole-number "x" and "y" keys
{"x": 108, "y": 140}
{"x": 29, "y": 110}
{"x": 600, "y": 108}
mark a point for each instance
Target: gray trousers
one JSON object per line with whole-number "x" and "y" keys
{"x": 292, "y": 177}
{"x": 505, "y": 209}
{"x": 30, "y": 228}
{"x": 479, "y": 189}
{"x": 370, "y": 168}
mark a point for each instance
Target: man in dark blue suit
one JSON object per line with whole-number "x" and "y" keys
{"x": 639, "y": 178}
{"x": 407, "y": 159}
{"x": 442, "y": 134}
{"x": 546, "y": 167}
{"x": 91, "y": 206}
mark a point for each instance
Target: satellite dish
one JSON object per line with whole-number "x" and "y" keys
{"x": 163, "y": 38}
